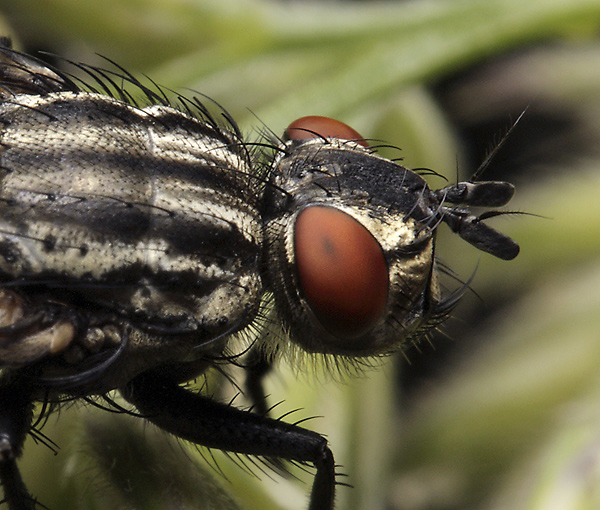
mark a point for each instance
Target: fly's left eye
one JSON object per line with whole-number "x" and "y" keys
{"x": 314, "y": 126}
{"x": 341, "y": 269}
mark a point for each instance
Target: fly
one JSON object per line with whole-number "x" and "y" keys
{"x": 138, "y": 239}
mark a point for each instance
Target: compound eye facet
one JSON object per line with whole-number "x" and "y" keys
{"x": 342, "y": 271}
{"x": 314, "y": 126}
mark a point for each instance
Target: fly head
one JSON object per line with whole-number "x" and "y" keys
{"x": 350, "y": 240}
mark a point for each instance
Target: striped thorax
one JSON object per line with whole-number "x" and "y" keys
{"x": 109, "y": 212}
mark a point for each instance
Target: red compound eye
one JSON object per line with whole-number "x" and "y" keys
{"x": 314, "y": 126}
{"x": 342, "y": 270}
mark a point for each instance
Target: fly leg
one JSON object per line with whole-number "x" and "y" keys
{"x": 16, "y": 413}
{"x": 257, "y": 368}
{"x": 215, "y": 425}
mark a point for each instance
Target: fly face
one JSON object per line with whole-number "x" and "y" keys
{"x": 351, "y": 242}
{"x": 136, "y": 240}
{"x": 353, "y": 248}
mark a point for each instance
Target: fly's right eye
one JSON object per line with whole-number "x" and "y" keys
{"x": 342, "y": 271}
{"x": 314, "y": 126}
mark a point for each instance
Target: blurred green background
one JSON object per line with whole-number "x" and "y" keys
{"x": 502, "y": 410}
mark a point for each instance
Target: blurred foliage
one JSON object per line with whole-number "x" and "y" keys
{"x": 503, "y": 411}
